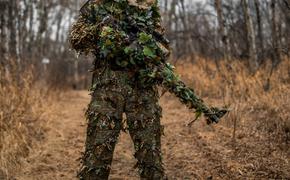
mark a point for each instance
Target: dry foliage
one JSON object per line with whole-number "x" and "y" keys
{"x": 20, "y": 108}
{"x": 259, "y": 104}
{"x": 259, "y": 121}
{"x": 261, "y": 112}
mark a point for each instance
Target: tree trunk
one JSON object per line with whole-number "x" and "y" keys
{"x": 251, "y": 39}
{"x": 23, "y": 32}
{"x": 189, "y": 49}
{"x": 76, "y": 62}
{"x": 275, "y": 41}
{"x": 59, "y": 17}
{"x": 276, "y": 56}
{"x": 30, "y": 30}
{"x": 287, "y": 3}
{"x": 43, "y": 21}
{"x": 173, "y": 32}
{"x": 3, "y": 32}
{"x": 222, "y": 30}
{"x": 286, "y": 12}
{"x": 260, "y": 30}
{"x": 12, "y": 29}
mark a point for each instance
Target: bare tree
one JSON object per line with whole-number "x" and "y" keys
{"x": 174, "y": 19}
{"x": 287, "y": 3}
{"x": 3, "y": 32}
{"x": 285, "y": 10}
{"x": 76, "y": 63}
{"x": 275, "y": 42}
{"x": 12, "y": 9}
{"x": 186, "y": 32}
{"x": 251, "y": 39}
{"x": 222, "y": 29}
{"x": 260, "y": 30}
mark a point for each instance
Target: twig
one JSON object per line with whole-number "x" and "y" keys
{"x": 235, "y": 129}
{"x": 287, "y": 4}
{"x": 191, "y": 122}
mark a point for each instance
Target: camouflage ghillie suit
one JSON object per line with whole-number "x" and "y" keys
{"x": 128, "y": 41}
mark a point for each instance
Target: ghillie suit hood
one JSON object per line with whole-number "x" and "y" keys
{"x": 128, "y": 34}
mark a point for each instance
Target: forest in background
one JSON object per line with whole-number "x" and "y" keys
{"x": 35, "y": 32}
{"x": 233, "y": 52}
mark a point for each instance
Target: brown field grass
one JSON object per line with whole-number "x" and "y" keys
{"x": 256, "y": 103}
{"x": 21, "y": 106}
{"x": 251, "y": 142}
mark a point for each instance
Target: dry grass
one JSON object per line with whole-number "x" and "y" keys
{"x": 261, "y": 142}
{"x": 20, "y": 108}
{"x": 257, "y": 107}
{"x": 259, "y": 121}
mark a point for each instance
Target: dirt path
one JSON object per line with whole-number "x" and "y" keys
{"x": 57, "y": 156}
{"x": 198, "y": 152}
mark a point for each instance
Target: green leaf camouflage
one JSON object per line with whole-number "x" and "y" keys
{"x": 112, "y": 31}
{"x": 131, "y": 53}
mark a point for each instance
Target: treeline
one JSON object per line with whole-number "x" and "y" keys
{"x": 35, "y": 32}
{"x": 253, "y": 30}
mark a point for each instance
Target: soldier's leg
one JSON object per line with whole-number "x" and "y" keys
{"x": 104, "y": 124}
{"x": 143, "y": 119}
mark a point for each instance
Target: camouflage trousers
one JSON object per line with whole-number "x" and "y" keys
{"x": 115, "y": 93}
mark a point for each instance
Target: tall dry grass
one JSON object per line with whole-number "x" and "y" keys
{"x": 21, "y": 104}
{"x": 257, "y": 107}
{"x": 258, "y": 110}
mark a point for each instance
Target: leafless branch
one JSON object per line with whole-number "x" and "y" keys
{"x": 287, "y": 4}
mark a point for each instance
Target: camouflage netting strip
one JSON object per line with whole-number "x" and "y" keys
{"x": 132, "y": 38}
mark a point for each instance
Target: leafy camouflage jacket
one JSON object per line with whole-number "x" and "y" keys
{"x": 127, "y": 34}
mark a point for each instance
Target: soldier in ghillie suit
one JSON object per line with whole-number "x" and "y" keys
{"x": 131, "y": 52}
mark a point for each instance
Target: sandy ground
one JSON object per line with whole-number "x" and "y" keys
{"x": 197, "y": 152}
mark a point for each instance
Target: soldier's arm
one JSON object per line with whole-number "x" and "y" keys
{"x": 97, "y": 32}
{"x": 82, "y": 35}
